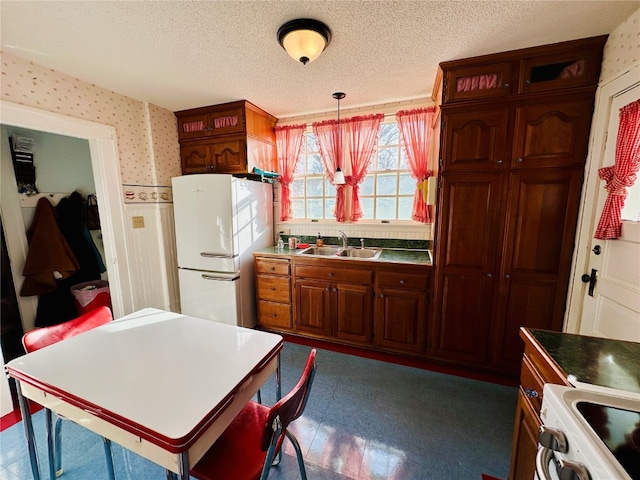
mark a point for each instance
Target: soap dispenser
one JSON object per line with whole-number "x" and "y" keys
{"x": 319, "y": 241}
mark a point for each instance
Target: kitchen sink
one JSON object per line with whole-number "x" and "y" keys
{"x": 342, "y": 252}
{"x": 360, "y": 253}
{"x": 323, "y": 251}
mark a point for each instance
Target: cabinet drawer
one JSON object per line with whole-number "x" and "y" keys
{"x": 532, "y": 383}
{"x": 276, "y": 289}
{"x": 272, "y": 267}
{"x": 274, "y": 314}
{"x": 411, "y": 281}
{"x": 334, "y": 274}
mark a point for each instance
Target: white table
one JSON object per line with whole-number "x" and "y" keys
{"x": 160, "y": 384}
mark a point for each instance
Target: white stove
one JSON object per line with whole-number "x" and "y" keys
{"x": 588, "y": 434}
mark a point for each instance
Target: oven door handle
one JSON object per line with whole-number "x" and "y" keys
{"x": 543, "y": 458}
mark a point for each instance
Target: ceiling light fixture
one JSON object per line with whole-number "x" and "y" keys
{"x": 338, "y": 177}
{"x": 304, "y": 39}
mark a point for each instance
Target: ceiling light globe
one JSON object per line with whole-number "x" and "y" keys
{"x": 304, "y": 39}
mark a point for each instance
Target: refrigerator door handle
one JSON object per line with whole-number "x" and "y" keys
{"x": 217, "y": 255}
{"x": 222, "y": 278}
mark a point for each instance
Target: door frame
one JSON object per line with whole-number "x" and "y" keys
{"x": 105, "y": 162}
{"x": 589, "y": 214}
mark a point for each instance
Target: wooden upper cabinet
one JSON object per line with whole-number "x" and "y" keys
{"x": 527, "y": 71}
{"x": 551, "y": 134}
{"x": 560, "y": 70}
{"x": 475, "y": 140}
{"x": 213, "y": 121}
{"x": 493, "y": 80}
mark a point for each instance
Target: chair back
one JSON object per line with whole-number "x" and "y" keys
{"x": 289, "y": 407}
{"x": 43, "y": 337}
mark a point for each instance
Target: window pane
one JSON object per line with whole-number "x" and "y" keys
{"x": 329, "y": 207}
{"x": 312, "y": 143}
{"x": 389, "y": 134}
{"x": 367, "y": 208}
{"x": 315, "y": 164}
{"x": 297, "y": 208}
{"x": 404, "y": 161}
{"x": 386, "y": 184}
{"x": 314, "y": 208}
{"x": 366, "y": 187}
{"x": 404, "y": 208}
{"x": 329, "y": 188}
{"x": 407, "y": 184}
{"x": 314, "y": 187}
{"x": 388, "y": 159}
{"x": 386, "y": 208}
{"x": 301, "y": 165}
{"x": 297, "y": 187}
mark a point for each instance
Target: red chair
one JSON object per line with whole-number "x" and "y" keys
{"x": 247, "y": 448}
{"x": 43, "y": 337}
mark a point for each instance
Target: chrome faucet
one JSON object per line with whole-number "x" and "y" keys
{"x": 343, "y": 236}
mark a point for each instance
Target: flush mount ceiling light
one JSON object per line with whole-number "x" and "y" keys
{"x": 304, "y": 39}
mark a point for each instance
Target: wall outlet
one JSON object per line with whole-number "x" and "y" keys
{"x": 138, "y": 222}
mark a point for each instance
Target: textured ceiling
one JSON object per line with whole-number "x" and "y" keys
{"x": 184, "y": 54}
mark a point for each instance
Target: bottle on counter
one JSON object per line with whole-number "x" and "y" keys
{"x": 319, "y": 241}
{"x": 280, "y": 243}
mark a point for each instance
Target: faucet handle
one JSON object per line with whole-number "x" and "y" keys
{"x": 362, "y": 243}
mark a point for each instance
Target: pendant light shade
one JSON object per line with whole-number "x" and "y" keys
{"x": 304, "y": 39}
{"x": 338, "y": 176}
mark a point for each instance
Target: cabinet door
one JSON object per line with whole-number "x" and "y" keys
{"x": 469, "y": 239}
{"x": 541, "y": 225}
{"x": 313, "y": 307}
{"x": 229, "y": 156}
{"x": 353, "y": 312}
{"x": 400, "y": 320}
{"x": 551, "y": 135}
{"x": 193, "y": 126}
{"x": 471, "y": 83}
{"x": 475, "y": 140}
{"x": 196, "y": 158}
{"x": 525, "y": 441}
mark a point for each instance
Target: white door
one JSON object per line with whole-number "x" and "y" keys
{"x": 612, "y": 308}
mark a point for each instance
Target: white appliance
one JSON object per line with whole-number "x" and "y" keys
{"x": 220, "y": 220}
{"x": 588, "y": 435}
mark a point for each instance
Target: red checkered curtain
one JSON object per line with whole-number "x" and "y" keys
{"x": 416, "y": 131}
{"x": 288, "y": 145}
{"x": 361, "y": 139}
{"x": 622, "y": 174}
{"x": 328, "y": 143}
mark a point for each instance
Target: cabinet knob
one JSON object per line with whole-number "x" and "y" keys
{"x": 506, "y": 85}
{"x": 274, "y": 315}
{"x": 499, "y": 161}
{"x": 273, "y": 289}
{"x": 531, "y": 393}
{"x": 330, "y": 274}
{"x": 519, "y": 160}
{"x": 272, "y": 268}
{"x": 401, "y": 282}
{"x": 489, "y": 275}
{"x": 382, "y": 295}
{"x": 507, "y": 276}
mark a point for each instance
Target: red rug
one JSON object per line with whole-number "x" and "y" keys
{"x": 489, "y": 477}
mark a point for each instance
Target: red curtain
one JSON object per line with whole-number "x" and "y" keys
{"x": 288, "y": 145}
{"x": 326, "y": 133}
{"x": 362, "y": 137}
{"x": 416, "y": 131}
{"x": 622, "y": 174}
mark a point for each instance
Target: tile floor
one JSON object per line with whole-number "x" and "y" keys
{"x": 365, "y": 420}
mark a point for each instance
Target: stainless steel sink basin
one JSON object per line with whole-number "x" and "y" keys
{"x": 323, "y": 251}
{"x": 339, "y": 252}
{"x": 360, "y": 253}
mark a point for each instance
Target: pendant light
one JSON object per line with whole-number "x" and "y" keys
{"x": 338, "y": 177}
{"x": 304, "y": 39}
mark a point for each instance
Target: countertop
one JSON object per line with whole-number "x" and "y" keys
{"x": 590, "y": 360}
{"x": 388, "y": 255}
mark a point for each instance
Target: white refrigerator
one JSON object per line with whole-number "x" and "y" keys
{"x": 220, "y": 220}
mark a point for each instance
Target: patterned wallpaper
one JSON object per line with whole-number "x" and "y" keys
{"x": 622, "y": 50}
{"x": 30, "y": 84}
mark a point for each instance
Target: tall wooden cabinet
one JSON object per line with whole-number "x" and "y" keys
{"x": 514, "y": 135}
{"x": 227, "y": 138}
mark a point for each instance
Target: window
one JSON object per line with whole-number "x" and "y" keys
{"x": 385, "y": 194}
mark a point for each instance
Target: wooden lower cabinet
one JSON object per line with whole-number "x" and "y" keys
{"x": 367, "y": 304}
{"x": 537, "y": 369}
{"x": 273, "y": 289}
{"x": 334, "y": 302}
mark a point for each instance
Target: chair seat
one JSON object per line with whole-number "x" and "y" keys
{"x": 236, "y": 455}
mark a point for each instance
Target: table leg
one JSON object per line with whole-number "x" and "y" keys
{"x": 183, "y": 465}
{"x": 28, "y": 431}
{"x": 51, "y": 447}
{"x": 171, "y": 475}
{"x": 278, "y": 382}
